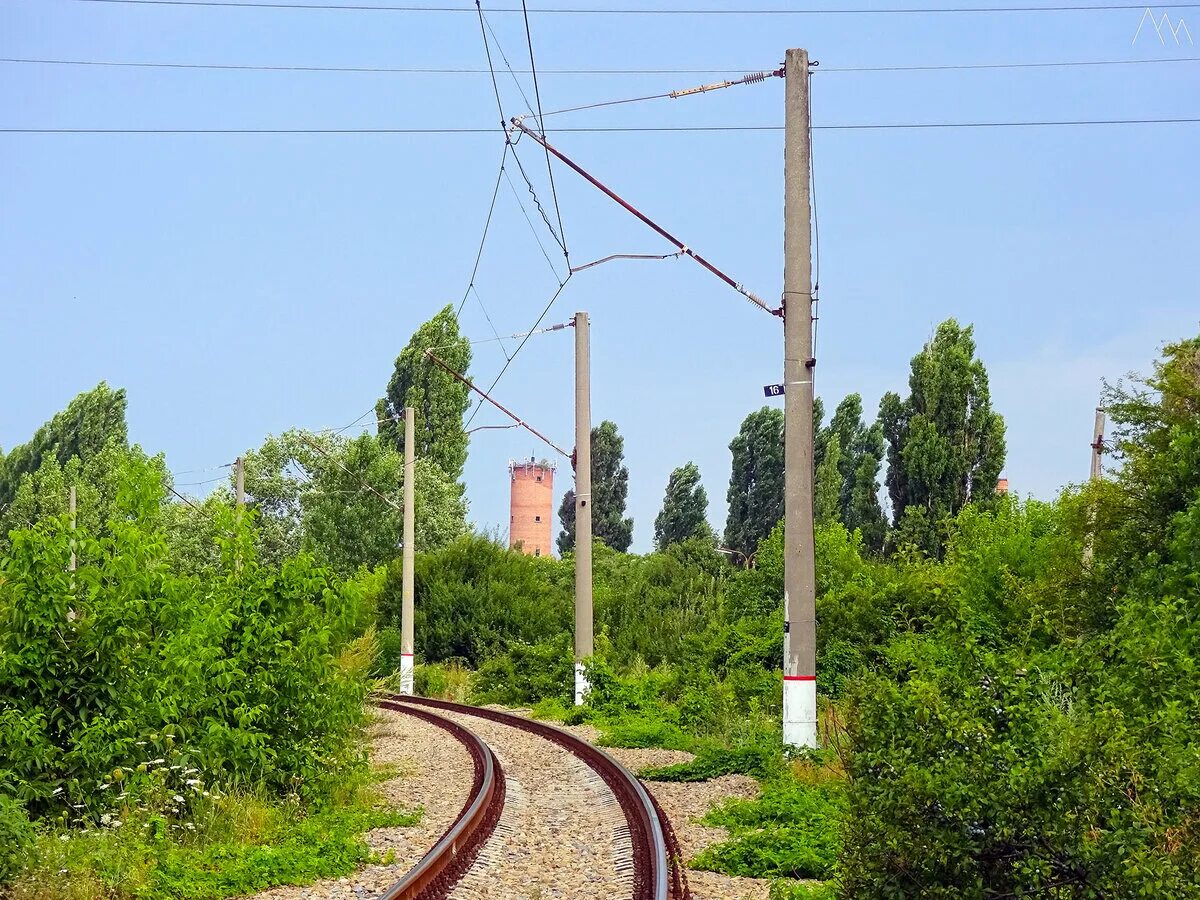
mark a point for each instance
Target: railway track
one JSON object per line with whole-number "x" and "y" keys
{"x": 492, "y": 838}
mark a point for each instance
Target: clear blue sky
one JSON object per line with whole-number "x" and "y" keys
{"x": 241, "y": 285}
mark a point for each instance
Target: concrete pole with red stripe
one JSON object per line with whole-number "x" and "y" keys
{"x": 410, "y": 517}
{"x": 799, "y": 564}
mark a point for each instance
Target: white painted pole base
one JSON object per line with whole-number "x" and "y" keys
{"x": 406, "y": 673}
{"x": 581, "y": 684}
{"x": 800, "y": 711}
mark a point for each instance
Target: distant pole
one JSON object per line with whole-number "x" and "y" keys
{"x": 410, "y": 529}
{"x": 799, "y": 564}
{"x": 1098, "y": 444}
{"x": 239, "y": 468}
{"x": 583, "y": 503}
{"x": 71, "y": 509}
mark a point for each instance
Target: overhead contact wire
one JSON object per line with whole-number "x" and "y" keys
{"x": 537, "y": 94}
{"x": 524, "y": 341}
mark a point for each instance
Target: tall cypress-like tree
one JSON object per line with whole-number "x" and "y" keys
{"x": 439, "y": 399}
{"x": 610, "y": 488}
{"x": 827, "y": 484}
{"x": 755, "y": 494}
{"x": 684, "y": 511}
{"x": 945, "y": 442}
{"x": 861, "y": 456}
{"x": 92, "y": 422}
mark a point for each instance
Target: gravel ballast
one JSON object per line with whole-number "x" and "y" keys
{"x": 562, "y": 833}
{"x": 433, "y": 772}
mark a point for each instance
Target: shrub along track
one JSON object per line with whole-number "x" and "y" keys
{"x": 657, "y": 866}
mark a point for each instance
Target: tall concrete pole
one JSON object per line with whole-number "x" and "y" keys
{"x": 410, "y": 530}
{"x": 799, "y": 566}
{"x": 1098, "y": 443}
{"x": 583, "y": 502}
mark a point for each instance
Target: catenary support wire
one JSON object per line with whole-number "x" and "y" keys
{"x": 484, "y": 394}
{"x": 683, "y": 248}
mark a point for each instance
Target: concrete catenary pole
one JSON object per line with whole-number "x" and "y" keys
{"x": 1098, "y": 444}
{"x": 410, "y": 529}
{"x": 583, "y": 503}
{"x": 799, "y": 567}
{"x": 239, "y": 470}
{"x": 71, "y": 509}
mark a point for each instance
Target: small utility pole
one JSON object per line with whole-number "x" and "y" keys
{"x": 799, "y": 565}
{"x": 410, "y": 529}
{"x": 239, "y": 472}
{"x": 71, "y": 509}
{"x": 1098, "y": 444}
{"x": 583, "y": 503}
{"x": 239, "y": 469}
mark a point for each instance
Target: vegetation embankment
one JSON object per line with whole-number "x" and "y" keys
{"x": 1007, "y": 686}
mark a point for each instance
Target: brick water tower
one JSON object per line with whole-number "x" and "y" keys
{"x": 530, "y": 506}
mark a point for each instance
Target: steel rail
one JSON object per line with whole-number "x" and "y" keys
{"x": 658, "y": 866}
{"x": 436, "y": 873}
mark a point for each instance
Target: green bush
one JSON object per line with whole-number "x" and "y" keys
{"x": 16, "y": 837}
{"x": 527, "y": 674}
{"x": 793, "y": 830}
{"x": 251, "y": 677}
{"x": 644, "y": 733}
{"x": 756, "y": 760}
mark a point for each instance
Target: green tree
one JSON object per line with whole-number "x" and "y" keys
{"x": 340, "y": 499}
{"x": 945, "y": 442}
{"x": 684, "y": 511}
{"x": 755, "y": 494}
{"x": 861, "y": 457}
{"x": 828, "y": 484}
{"x": 440, "y": 400}
{"x": 610, "y": 487}
{"x": 92, "y": 421}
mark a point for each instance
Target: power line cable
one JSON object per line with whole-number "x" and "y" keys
{"x": 958, "y": 67}
{"x": 503, "y": 349}
{"x": 374, "y": 70}
{"x": 532, "y": 228}
{"x": 752, "y": 78}
{"x": 337, "y": 462}
{"x": 644, "y": 219}
{"x": 542, "y": 128}
{"x": 484, "y": 394}
{"x": 487, "y": 224}
{"x": 661, "y": 11}
{"x": 520, "y": 346}
{"x": 486, "y": 28}
{"x": 649, "y": 129}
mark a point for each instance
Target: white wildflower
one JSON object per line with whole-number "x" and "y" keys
{"x": 177, "y": 798}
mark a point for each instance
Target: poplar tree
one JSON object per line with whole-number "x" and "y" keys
{"x": 440, "y": 400}
{"x": 827, "y": 484}
{"x": 610, "y": 489}
{"x": 945, "y": 442}
{"x": 92, "y": 422}
{"x": 755, "y": 494}
{"x": 684, "y": 511}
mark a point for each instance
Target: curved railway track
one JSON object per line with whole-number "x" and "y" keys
{"x": 657, "y": 867}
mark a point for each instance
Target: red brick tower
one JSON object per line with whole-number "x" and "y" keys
{"x": 530, "y": 506}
